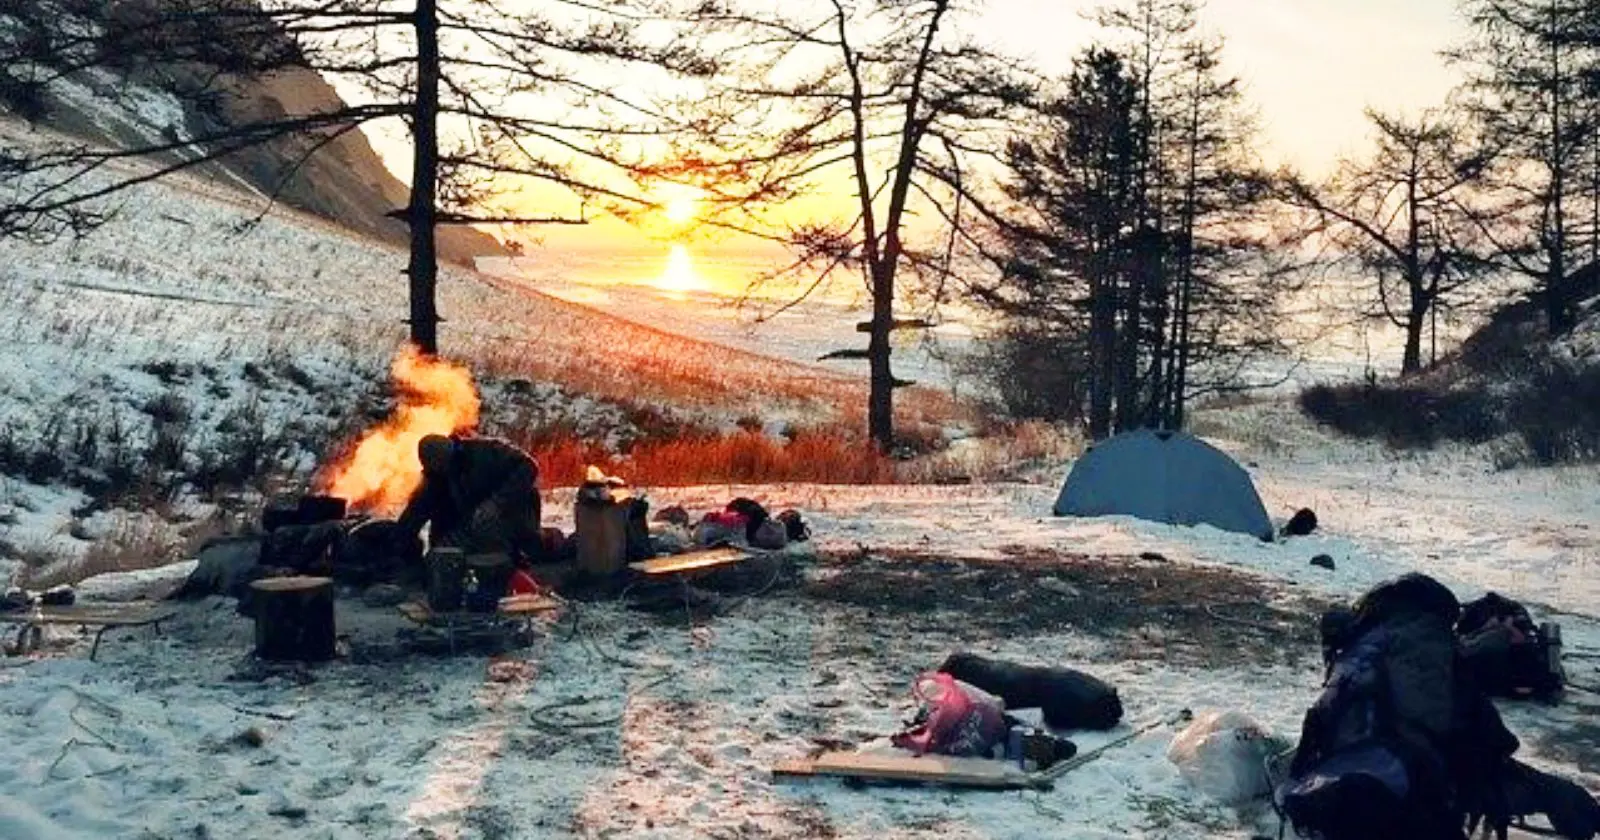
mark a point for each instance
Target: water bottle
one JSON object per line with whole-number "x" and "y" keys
{"x": 1552, "y": 639}
{"x": 1014, "y": 746}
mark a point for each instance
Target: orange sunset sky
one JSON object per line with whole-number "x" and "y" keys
{"x": 1310, "y": 68}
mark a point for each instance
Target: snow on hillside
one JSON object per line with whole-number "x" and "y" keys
{"x": 189, "y": 317}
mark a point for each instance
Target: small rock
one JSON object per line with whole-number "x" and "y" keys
{"x": 1153, "y": 555}
{"x": 1302, "y": 523}
{"x": 252, "y": 737}
{"x": 1323, "y": 560}
{"x": 383, "y": 595}
{"x": 509, "y": 670}
{"x": 288, "y": 812}
{"x": 1058, "y": 586}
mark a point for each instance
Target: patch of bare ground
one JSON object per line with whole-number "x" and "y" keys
{"x": 1576, "y": 743}
{"x": 1142, "y": 607}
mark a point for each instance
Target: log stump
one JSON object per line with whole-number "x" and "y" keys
{"x": 602, "y": 534}
{"x": 294, "y": 619}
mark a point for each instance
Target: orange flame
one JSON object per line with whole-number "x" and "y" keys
{"x": 382, "y": 471}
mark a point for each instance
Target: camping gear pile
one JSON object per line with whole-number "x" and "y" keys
{"x": 1404, "y": 741}
{"x": 963, "y": 711}
{"x": 310, "y": 536}
{"x": 1508, "y": 655}
{"x": 742, "y": 522}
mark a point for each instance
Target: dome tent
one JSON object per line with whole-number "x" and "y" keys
{"x": 1164, "y": 476}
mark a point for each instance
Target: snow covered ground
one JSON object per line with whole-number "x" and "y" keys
{"x": 663, "y": 730}
{"x": 638, "y": 727}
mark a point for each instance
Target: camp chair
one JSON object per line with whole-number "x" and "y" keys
{"x": 102, "y": 617}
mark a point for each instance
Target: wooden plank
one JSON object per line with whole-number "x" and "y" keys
{"x": 416, "y": 611}
{"x": 113, "y": 616}
{"x": 692, "y": 561}
{"x": 988, "y": 774}
{"x": 522, "y": 605}
{"x": 793, "y": 767}
{"x": 296, "y": 583}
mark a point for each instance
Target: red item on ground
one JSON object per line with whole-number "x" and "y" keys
{"x": 727, "y": 519}
{"x": 522, "y": 583}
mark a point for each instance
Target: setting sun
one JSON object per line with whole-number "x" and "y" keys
{"x": 680, "y": 210}
{"x": 679, "y": 275}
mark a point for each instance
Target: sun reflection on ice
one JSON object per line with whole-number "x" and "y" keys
{"x": 679, "y": 275}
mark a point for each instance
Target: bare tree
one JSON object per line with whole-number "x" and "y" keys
{"x": 1400, "y": 215}
{"x": 1531, "y": 66}
{"x": 880, "y": 94}
{"x": 493, "y": 99}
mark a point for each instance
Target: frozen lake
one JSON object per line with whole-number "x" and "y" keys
{"x": 720, "y": 299}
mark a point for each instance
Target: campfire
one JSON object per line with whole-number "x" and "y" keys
{"x": 379, "y": 474}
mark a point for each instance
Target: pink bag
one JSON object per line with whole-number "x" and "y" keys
{"x": 961, "y": 719}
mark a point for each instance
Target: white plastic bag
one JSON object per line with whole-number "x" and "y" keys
{"x": 1224, "y": 755}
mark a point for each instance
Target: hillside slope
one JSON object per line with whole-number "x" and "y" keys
{"x": 344, "y": 181}
{"x": 167, "y": 357}
{"x": 1528, "y": 395}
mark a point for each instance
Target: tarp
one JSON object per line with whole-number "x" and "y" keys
{"x": 1164, "y": 477}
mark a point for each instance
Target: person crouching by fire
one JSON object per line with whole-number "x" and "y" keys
{"x": 481, "y": 496}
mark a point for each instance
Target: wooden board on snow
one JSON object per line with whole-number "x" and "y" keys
{"x": 92, "y": 615}
{"x": 988, "y": 774}
{"x": 709, "y": 558}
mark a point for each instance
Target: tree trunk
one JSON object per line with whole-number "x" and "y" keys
{"x": 1411, "y": 362}
{"x": 1181, "y": 379}
{"x": 1557, "y": 316}
{"x": 1102, "y": 357}
{"x": 1558, "y": 313}
{"x": 1132, "y": 302}
{"x": 422, "y": 214}
{"x": 294, "y": 619}
{"x": 880, "y": 397}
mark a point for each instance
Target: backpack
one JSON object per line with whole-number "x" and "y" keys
{"x": 1506, "y": 653}
{"x": 1377, "y": 751}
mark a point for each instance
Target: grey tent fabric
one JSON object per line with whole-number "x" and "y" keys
{"x": 1164, "y": 477}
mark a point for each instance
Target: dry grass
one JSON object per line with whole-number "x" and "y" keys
{"x": 1004, "y": 453}
{"x": 133, "y": 543}
{"x": 742, "y": 457}
{"x": 823, "y": 455}
{"x": 626, "y": 363}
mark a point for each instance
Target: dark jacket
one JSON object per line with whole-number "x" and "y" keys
{"x": 483, "y": 498}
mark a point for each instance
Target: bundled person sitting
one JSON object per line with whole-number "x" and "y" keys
{"x": 481, "y": 496}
